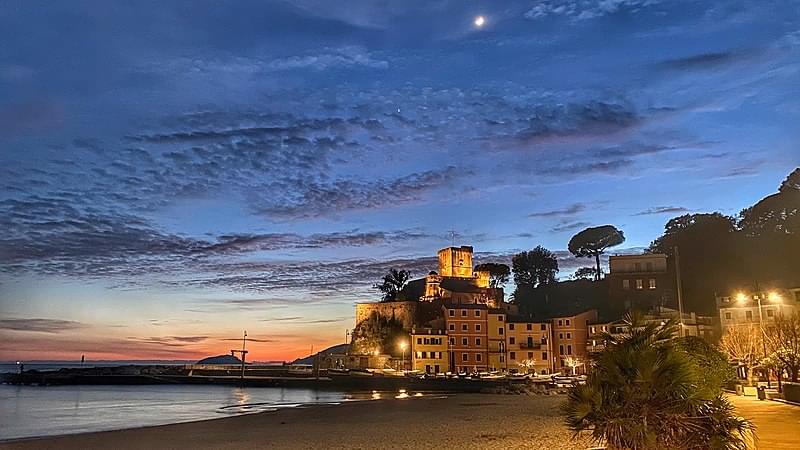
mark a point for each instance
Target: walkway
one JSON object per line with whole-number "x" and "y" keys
{"x": 778, "y": 424}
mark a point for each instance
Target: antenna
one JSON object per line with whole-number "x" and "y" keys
{"x": 453, "y": 237}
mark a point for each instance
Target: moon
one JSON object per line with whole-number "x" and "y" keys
{"x": 479, "y": 21}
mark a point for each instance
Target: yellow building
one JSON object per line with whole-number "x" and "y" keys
{"x": 429, "y": 351}
{"x": 528, "y": 347}
{"x": 497, "y": 340}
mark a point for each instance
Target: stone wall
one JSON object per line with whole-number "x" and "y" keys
{"x": 401, "y": 311}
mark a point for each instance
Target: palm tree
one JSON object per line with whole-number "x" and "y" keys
{"x": 393, "y": 282}
{"x": 645, "y": 392}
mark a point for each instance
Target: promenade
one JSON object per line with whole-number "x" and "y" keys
{"x": 778, "y": 423}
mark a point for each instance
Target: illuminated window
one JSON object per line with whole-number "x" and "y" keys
{"x": 652, "y": 284}
{"x": 639, "y": 284}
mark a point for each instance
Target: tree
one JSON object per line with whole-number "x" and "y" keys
{"x": 377, "y": 334}
{"x": 393, "y": 283}
{"x": 594, "y": 241}
{"x": 646, "y": 392}
{"x": 585, "y": 273}
{"x": 741, "y": 344}
{"x": 534, "y": 268}
{"x": 783, "y": 337}
{"x": 498, "y": 273}
{"x": 715, "y": 368}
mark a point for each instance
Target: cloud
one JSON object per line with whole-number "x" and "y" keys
{"x": 662, "y": 210}
{"x": 586, "y": 9}
{"x": 39, "y": 325}
{"x": 707, "y": 61}
{"x": 569, "y": 226}
{"x": 573, "y": 209}
{"x": 330, "y": 58}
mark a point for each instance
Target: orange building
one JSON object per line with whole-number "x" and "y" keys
{"x": 570, "y": 338}
{"x": 467, "y": 331}
{"x": 528, "y": 346}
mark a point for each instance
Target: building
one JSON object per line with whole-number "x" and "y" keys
{"x": 528, "y": 346}
{"x": 467, "y": 331}
{"x": 741, "y": 309}
{"x": 496, "y": 345}
{"x": 456, "y": 282}
{"x": 640, "y": 282}
{"x": 429, "y": 351}
{"x": 570, "y": 335}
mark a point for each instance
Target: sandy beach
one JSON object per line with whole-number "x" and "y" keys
{"x": 456, "y": 421}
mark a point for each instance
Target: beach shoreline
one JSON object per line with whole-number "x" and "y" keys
{"x": 444, "y": 421}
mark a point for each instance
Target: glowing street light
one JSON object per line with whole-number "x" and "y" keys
{"x": 741, "y": 297}
{"x": 403, "y": 345}
{"x": 774, "y": 297}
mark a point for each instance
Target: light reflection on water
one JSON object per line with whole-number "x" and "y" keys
{"x": 27, "y": 411}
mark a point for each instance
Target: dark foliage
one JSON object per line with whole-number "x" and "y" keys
{"x": 393, "y": 282}
{"x": 498, "y": 273}
{"x": 534, "y": 268}
{"x": 592, "y": 242}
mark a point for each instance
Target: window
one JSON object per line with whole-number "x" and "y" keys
{"x": 477, "y": 313}
{"x": 512, "y": 340}
{"x": 544, "y": 327}
{"x": 560, "y": 349}
{"x": 728, "y": 315}
{"x": 626, "y": 284}
{"x": 424, "y": 354}
{"x": 567, "y": 322}
{"x": 502, "y": 358}
{"x": 749, "y": 315}
{"x": 592, "y": 330}
{"x": 528, "y": 326}
{"x": 511, "y": 326}
{"x": 464, "y": 342}
{"x": 569, "y": 349}
{"x": 500, "y": 331}
{"x": 500, "y": 317}
{"x": 452, "y": 341}
{"x": 452, "y": 312}
{"x": 638, "y": 267}
{"x": 419, "y": 341}
{"x": 477, "y": 327}
{"x": 652, "y": 283}
{"x": 463, "y": 327}
{"x": 478, "y": 357}
{"x": 478, "y": 342}
{"x": 530, "y": 341}
{"x": 639, "y": 284}
{"x": 452, "y": 327}
{"x": 569, "y": 335}
{"x": 561, "y": 335}
{"x": 560, "y": 322}
{"x": 530, "y": 355}
{"x": 465, "y": 356}
{"x": 427, "y": 341}
{"x": 419, "y": 354}
{"x": 770, "y": 313}
{"x": 512, "y": 355}
{"x": 544, "y": 356}
{"x": 463, "y": 313}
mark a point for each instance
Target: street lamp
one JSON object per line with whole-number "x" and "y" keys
{"x": 772, "y": 296}
{"x": 403, "y": 346}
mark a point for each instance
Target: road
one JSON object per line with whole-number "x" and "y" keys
{"x": 778, "y": 424}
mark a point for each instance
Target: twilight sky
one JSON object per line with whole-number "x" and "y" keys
{"x": 172, "y": 172}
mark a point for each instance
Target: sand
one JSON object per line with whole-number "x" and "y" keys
{"x": 462, "y": 421}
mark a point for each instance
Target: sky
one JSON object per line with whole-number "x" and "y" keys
{"x": 173, "y": 173}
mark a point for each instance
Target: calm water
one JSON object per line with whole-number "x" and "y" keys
{"x": 27, "y": 411}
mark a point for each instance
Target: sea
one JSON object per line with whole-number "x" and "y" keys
{"x": 34, "y": 411}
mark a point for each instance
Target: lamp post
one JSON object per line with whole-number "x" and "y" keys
{"x": 772, "y": 296}
{"x": 403, "y": 345}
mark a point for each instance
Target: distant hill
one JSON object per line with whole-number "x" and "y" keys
{"x": 309, "y": 360}
{"x": 221, "y": 359}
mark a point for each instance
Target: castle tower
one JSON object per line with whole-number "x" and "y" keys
{"x": 456, "y": 262}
